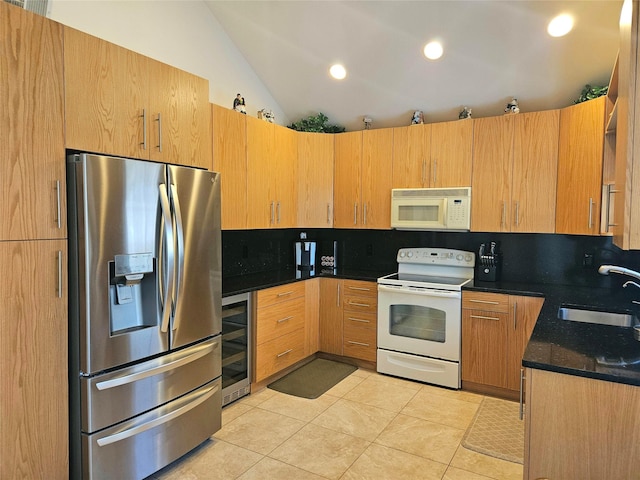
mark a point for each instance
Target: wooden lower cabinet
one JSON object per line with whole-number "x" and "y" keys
{"x": 495, "y": 331}
{"x": 34, "y": 418}
{"x": 331, "y": 335}
{"x": 580, "y": 428}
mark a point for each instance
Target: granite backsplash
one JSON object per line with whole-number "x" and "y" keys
{"x": 527, "y": 258}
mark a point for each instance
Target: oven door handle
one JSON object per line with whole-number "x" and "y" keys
{"x": 424, "y": 292}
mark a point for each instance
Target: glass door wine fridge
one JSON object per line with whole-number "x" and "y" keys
{"x": 235, "y": 347}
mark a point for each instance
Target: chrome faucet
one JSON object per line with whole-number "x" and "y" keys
{"x": 607, "y": 269}
{"x": 630, "y": 282}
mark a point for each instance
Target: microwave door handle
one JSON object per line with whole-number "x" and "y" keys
{"x": 421, "y": 292}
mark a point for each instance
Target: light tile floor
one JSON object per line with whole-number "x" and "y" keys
{"x": 369, "y": 426}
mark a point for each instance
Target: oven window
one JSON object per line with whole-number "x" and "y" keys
{"x": 419, "y": 213}
{"x": 415, "y": 321}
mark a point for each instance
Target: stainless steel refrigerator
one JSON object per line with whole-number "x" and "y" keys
{"x": 145, "y": 314}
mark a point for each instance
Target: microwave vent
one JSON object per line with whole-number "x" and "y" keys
{"x": 431, "y": 192}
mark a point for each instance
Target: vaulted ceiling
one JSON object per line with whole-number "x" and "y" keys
{"x": 493, "y": 51}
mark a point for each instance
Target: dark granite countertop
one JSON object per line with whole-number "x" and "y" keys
{"x": 258, "y": 281}
{"x": 600, "y": 352}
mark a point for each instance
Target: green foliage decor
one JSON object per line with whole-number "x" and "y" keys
{"x": 589, "y": 93}
{"x": 316, "y": 123}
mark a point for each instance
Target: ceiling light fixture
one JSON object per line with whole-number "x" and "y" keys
{"x": 560, "y": 25}
{"x": 337, "y": 71}
{"x": 433, "y": 50}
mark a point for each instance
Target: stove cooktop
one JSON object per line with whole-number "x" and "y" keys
{"x": 425, "y": 281}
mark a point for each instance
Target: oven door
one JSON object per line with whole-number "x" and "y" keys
{"x": 420, "y": 321}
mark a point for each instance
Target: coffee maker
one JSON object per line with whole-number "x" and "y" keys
{"x": 305, "y": 253}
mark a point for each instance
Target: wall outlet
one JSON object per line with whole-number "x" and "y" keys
{"x": 587, "y": 260}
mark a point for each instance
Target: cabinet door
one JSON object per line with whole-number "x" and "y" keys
{"x": 261, "y": 194}
{"x": 411, "y": 156}
{"x": 315, "y": 180}
{"x": 484, "y": 336}
{"x": 347, "y": 180}
{"x": 580, "y": 152}
{"x": 377, "y": 147}
{"x": 114, "y": 119}
{"x": 32, "y": 158}
{"x": 331, "y": 315}
{"x": 230, "y": 159}
{"x": 524, "y": 314}
{"x": 451, "y": 159}
{"x": 194, "y": 121}
{"x": 492, "y": 172}
{"x": 312, "y": 316}
{"x": 535, "y": 164}
{"x": 284, "y": 176}
{"x": 34, "y": 423}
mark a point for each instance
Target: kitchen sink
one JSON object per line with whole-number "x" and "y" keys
{"x": 597, "y": 316}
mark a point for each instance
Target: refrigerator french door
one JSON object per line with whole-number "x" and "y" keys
{"x": 145, "y": 313}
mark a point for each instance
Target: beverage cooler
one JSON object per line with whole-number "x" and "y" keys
{"x": 236, "y": 338}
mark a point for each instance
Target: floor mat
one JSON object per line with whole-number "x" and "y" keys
{"x": 497, "y": 431}
{"x": 313, "y": 379}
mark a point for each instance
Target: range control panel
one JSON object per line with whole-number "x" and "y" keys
{"x": 436, "y": 256}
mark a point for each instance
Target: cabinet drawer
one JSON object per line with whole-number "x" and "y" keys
{"x": 353, "y": 320}
{"x": 273, "y": 356}
{"x": 493, "y": 302}
{"x": 359, "y": 341}
{"x": 361, "y": 288}
{"x": 279, "y": 319}
{"x": 270, "y": 296}
{"x": 353, "y": 303}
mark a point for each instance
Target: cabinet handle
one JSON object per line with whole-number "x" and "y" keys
{"x": 272, "y": 217}
{"x": 358, "y": 343}
{"x": 515, "y": 315}
{"x": 504, "y": 214}
{"x": 362, "y": 289}
{"x": 590, "y": 225}
{"x": 521, "y": 413}
{"x": 517, "y": 213}
{"x": 424, "y": 171}
{"x": 481, "y": 317}
{"x": 435, "y": 172}
{"x": 159, "y": 120}
{"x": 355, "y": 213}
{"x": 364, "y": 206}
{"x": 490, "y": 302}
{"x": 285, "y": 319}
{"x": 361, "y": 320}
{"x": 328, "y": 214}
{"x": 338, "y": 300}
{"x": 356, "y": 304}
{"x": 284, "y": 294}
{"x": 284, "y": 353}
{"x": 278, "y": 212}
{"x": 144, "y": 128}
{"x": 59, "y": 289}
{"x": 58, "y": 221}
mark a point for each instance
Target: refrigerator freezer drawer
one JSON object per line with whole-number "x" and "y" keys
{"x": 116, "y": 396}
{"x": 139, "y": 447}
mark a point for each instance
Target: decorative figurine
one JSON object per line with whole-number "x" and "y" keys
{"x": 418, "y": 118}
{"x": 238, "y": 104}
{"x": 512, "y": 106}
{"x": 464, "y": 113}
{"x": 266, "y": 115}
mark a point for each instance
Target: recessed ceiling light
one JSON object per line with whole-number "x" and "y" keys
{"x": 337, "y": 71}
{"x": 560, "y": 25}
{"x": 433, "y": 50}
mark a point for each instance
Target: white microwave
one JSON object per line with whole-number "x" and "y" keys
{"x": 431, "y": 208}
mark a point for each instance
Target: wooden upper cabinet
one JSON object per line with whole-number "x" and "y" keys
{"x": 315, "y": 180}
{"x": 347, "y": 180}
{"x": 433, "y": 155}
{"x": 412, "y": 156}
{"x": 492, "y": 172}
{"x": 377, "y": 154}
{"x": 514, "y": 173}
{"x": 451, "y": 153}
{"x": 535, "y": 164}
{"x": 230, "y": 159}
{"x": 580, "y": 153}
{"x": 272, "y": 153}
{"x": 137, "y": 107}
{"x": 32, "y": 156}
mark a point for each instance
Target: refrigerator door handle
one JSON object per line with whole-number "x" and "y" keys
{"x": 180, "y": 248}
{"x": 202, "y": 397}
{"x": 168, "y": 254}
{"x": 134, "y": 377}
